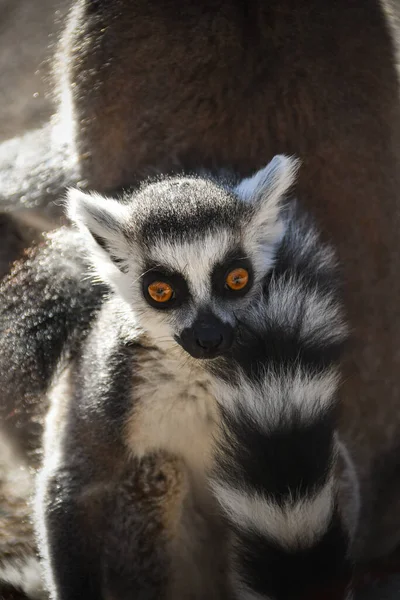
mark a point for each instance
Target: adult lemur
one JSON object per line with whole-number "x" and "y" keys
{"x": 221, "y": 291}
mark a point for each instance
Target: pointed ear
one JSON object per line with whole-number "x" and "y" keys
{"x": 267, "y": 189}
{"x": 272, "y": 182}
{"x": 104, "y": 219}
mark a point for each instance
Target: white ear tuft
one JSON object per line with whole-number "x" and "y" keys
{"x": 264, "y": 193}
{"x": 103, "y": 217}
{"x": 270, "y": 183}
{"x": 103, "y": 222}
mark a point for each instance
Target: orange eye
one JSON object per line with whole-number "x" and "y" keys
{"x": 237, "y": 279}
{"x": 160, "y": 291}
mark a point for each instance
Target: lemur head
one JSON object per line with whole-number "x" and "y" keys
{"x": 188, "y": 253}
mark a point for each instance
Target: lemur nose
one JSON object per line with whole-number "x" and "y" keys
{"x": 209, "y": 339}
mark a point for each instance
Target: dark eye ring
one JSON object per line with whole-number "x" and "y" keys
{"x": 163, "y": 290}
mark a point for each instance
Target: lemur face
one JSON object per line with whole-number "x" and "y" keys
{"x": 188, "y": 253}
{"x": 196, "y": 290}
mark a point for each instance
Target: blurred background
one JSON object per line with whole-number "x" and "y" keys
{"x": 28, "y": 32}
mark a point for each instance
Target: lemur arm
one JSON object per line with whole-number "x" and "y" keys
{"x": 105, "y": 538}
{"x": 71, "y": 558}
{"x": 102, "y": 515}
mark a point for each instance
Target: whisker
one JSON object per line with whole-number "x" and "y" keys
{"x": 145, "y": 273}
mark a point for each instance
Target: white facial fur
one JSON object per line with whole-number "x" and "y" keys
{"x": 194, "y": 258}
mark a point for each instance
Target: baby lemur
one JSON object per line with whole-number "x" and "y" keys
{"x": 191, "y": 446}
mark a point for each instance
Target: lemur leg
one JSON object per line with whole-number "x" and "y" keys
{"x": 148, "y": 502}
{"x": 113, "y": 539}
{"x": 70, "y": 553}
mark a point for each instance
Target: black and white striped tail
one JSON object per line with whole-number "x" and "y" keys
{"x": 276, "y": 457}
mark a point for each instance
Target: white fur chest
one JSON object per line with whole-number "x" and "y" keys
{"x": 172, "y": 409}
